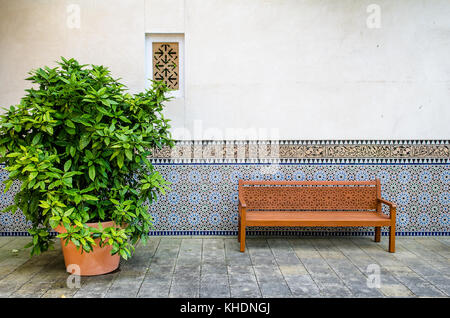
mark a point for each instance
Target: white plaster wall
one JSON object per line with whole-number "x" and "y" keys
{"x": 313, "y": 70}
{"x": 293, "y": 69}
{"x": 34, "y": 33}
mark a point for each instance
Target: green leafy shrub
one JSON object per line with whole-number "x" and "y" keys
{"x": 78, "y": 143}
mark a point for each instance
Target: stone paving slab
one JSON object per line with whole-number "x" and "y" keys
{"x": 214, "y": 267}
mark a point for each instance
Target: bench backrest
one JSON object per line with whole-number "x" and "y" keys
{"x": 310, "y": 195}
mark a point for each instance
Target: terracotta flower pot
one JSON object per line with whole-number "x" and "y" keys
{"x": 97, "y": 262}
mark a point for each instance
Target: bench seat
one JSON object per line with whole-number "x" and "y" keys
{"x": 314, "y": 203}
{"x": 316, "y": 218}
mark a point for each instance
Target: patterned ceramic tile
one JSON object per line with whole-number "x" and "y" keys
{"x": 204, "y": 196}
{"x": 298, "y": 151}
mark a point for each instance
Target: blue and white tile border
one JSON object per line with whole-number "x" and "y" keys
{"x": 206, "y": 204}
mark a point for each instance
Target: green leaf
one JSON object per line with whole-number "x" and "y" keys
{"x": 77, "y": 199}
{"x": 84, "y": 141}
{"x": 70, "y": 131}
{"x": 36, "y": 139}
{"x": 120, "y": 160}
{"x": 67, "y": 182}
{"x": 13, "y": 154}
{"x": 116, "y": 153}
{"x": 101, "y": 214}
{"x": 123, "y": 254}
{"x": 67, "y": 165}
{"x": 8, "y": 184}
{"x": 69, "y": 212}
{"x": 123, "y": 118}
{"x": 129, "y": 154}
{"x": 75, "y": 241}
{"x": 90, "y": 197}
{"x": 44, "y": 204}
{"x": 69, "y": 123}
{"x": 54, "y": 221}
{"x": 92, "y": 172}
{"x": 72, "y": 173}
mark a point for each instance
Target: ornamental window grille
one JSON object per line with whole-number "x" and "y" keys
{"x": 166, "y": 63}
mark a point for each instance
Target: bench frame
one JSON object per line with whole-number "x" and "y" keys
{"x": 389, "y": 221}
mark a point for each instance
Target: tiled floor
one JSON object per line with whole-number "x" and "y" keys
{"x": 214, "y": 267}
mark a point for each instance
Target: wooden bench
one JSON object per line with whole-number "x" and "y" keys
{"x": 314, "y": 203}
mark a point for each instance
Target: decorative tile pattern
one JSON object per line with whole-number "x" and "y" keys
{"x": 421, "y": 192}
{"x": 165, "y": 63}
{"x": 299, "y": 151}
{"x": 204, "y": 196}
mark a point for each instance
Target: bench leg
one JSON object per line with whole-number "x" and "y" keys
{"x": 239, "y": 230}
{"x": 392, "y": 239}
{"x": 242, "y": 238}
{"x": 377, "y": 233}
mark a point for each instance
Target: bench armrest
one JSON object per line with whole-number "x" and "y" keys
{"x": 241, "y": 198}
{"x": 392, "y": 209}
{"x": 242, "y": 208}
{"x": 242, "y": 205}
{"x": 391, "y": 204}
